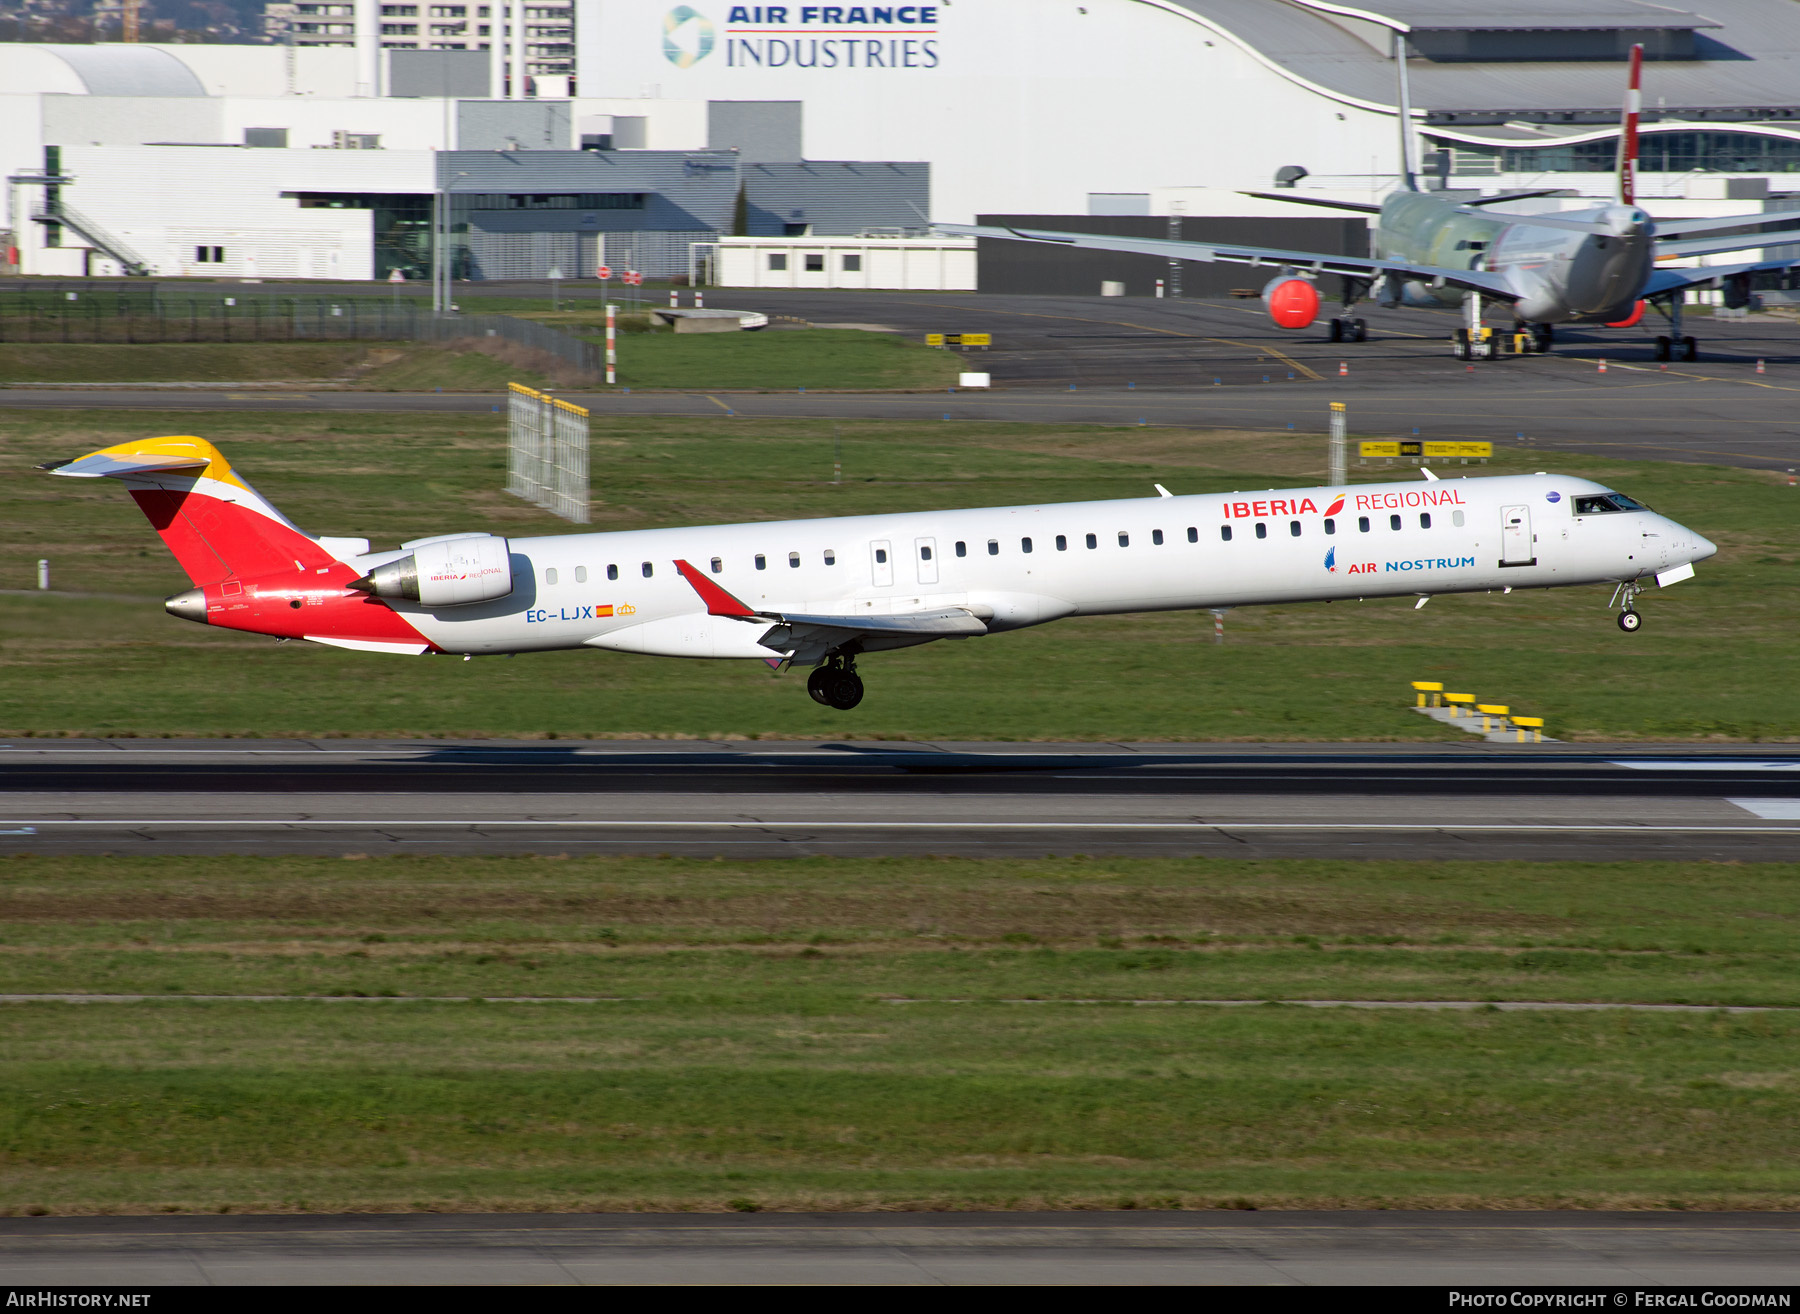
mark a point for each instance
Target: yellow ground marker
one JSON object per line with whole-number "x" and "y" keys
{"x": 1489, "y": 711}
{"x": 1535, "y": 724}
{"x": 1423, "y": 687}
{"x": 1458, "y": 701}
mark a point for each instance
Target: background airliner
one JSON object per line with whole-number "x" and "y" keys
{"x": 824, "y": 592}
{"x": 1591, "y": 266}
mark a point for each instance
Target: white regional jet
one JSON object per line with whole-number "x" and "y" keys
{"x": 824, "y": 592}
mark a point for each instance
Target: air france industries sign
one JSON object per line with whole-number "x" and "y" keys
{"x": 861, "y": 37}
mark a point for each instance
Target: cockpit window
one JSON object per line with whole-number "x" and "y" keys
{"x": 1602, "y": 505}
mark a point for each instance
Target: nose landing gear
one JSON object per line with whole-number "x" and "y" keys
{"x": 836, "y": 684}
{"x": 1629, "y": 620}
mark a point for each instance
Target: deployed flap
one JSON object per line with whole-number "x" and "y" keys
{"x": 943, "y": 623}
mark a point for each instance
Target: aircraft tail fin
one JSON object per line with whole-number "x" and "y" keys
{"x": 215, "y": 524}
{"x": 1408, "y": 175}
{"x": 1628, "y": 129}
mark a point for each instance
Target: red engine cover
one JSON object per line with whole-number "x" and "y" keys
{"x": 1293, "y": 302}
{"x": 1630, "y": 321}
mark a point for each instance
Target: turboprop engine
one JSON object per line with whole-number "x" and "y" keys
{"x": 445, "y": 572}
{"x": 1293, "y": 302}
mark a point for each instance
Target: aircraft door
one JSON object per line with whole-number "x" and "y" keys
{"x": 881, "y": 563}
{"x": 925, "y": 550}
{"x": 1515, "y": 537}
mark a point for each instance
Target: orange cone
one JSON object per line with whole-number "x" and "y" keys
{"x": 1343, "y": 367}
{"x": 1759, "y": 365}
{"x": 1603, "y": 365}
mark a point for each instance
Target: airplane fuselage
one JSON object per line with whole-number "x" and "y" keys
{"x": 1558, "y": 275}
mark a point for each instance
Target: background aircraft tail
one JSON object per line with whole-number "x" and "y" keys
{"x": 1628, "y": 129}
{"x": 217, "y": 526}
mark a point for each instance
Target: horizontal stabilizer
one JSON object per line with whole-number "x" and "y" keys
{"x": 1357, "y": 207}
{"x": 1504, "y": 197}
{"x": 1700, "y": 246}
{"x": 1665, "y": 227}
{"x": 101, "y": 465}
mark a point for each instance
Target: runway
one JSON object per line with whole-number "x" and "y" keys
{"x": 1625, "y": 1251}
{"x": 1205, "y": 364}
{"x": 854, "y": 799}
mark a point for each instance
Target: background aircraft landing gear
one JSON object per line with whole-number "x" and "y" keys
{"x": 836, "y": 684}
{"x": 1666, "y": 348}
{"x": 1542, "y": 338}
{"x": 1346, "y": 329}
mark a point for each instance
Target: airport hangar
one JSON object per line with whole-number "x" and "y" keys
{"x": 857, "y": 122}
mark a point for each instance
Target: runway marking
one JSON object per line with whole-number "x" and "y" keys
{"x": 373, "y": 823}
{"x": 716, "y": 402}
{"x": 321, "y": 999}
{"x": 1708, "y": 764}
{"x": 1770, "y": 809}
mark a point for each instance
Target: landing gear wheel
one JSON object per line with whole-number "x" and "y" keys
{"x": 1543, "y": 337}
{"x": 817, "y": 684}
{"x": 1630, "y": 621}
{"x": 1690, "y": 349}
{"x": 845, "y": 690}
{"x": 1461, "y": 345}
{"x": 1662, "y": 348}
{"x": 1362, "y": 329}
{"x": 1337, "y": 330}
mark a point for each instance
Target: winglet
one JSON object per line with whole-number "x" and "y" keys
{"x": 718, "y": 601}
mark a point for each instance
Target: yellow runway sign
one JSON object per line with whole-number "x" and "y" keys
{"x": 1437, "y": 451}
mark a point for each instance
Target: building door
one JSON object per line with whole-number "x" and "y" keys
{"x": 881, "y": 563}
{"x": 927, "y": 559}
{"x": 1515, "y": 536}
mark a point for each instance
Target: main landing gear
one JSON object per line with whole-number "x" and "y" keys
{"x": 1346, "y": 329}
{"x": 836, "y": 683}
{"x": 1673, "y": 342}
{"x": 1629, "y": 620}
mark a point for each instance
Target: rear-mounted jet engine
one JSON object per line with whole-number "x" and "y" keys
{"x": 448, "y": 572}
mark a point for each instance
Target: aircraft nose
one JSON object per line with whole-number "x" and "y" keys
{"x": 1704, "y": 548}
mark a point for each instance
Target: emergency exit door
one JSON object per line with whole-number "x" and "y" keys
{"x": 881, "y": 563}
{"x": 1516, "y": 543}
{"x": 926, "y": 551}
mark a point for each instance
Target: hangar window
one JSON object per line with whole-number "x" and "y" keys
{"x": 1062, "y": 542}
{"x": 1424, "y": 520}
{"x": 815, "y": 264}
{"x": 1024, "y": 545}
{"x": 1294, "y": 528}
{"x": 718, "y": 566}
{"x": 793, "y": 561}
{"x": 993, "y": 547}
{"x": 1330, "y": 525}
{"x": 1193, "y": 534}
{"x": 962, "y": 548}
{"x": 1393, "y": 522}
{"x": 1092, "y": 542}
{"x": 777, "y": 264}
{"x": 581, "y": 574}
{"x": 853, "y": 264}
{"x": 1124, "y": 539}
{"x": 1225, "y": 533}
{"x": 649, "y": 570}
{"x": 1156, "y": 537}
{"x": 1456, "y": 518}
{"x": 1362, "y": 523}
{"x": 830, "y": 557}
{"x": 1262, "y": 530}
{"x": 762, "y": 562}
{"x": 550, "y": 575}
{"x": 209, "y": 255}
{"x": 612, "y": 572}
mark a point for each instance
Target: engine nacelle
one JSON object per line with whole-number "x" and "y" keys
{"x": 1293, "y": 303}
{"x": 1631, "y": 320}
{"x": 448, "y": 573}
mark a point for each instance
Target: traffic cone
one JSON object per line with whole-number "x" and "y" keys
{"x": 1343, "y": 367}
{"x": 1759, "y": 366}
{"x": 1603, "y": 365}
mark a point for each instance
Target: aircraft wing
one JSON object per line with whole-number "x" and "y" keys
{"x": 1727, "y": 221}
{"x": 831, "y": 630}
{"x": 1671, "y": 280}
{"x": 1207, "y": 252}
{"x": 1700, "y": 246}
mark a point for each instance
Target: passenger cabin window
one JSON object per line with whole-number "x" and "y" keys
{"x": 1092, "y": 542}
{"x": 1393, "y": 522}
{"x": 794, "y": 561}
{"x": 1124, "y": 539}
{"x": 1225, "y": 533}
{"x": 649, "y": 570}
{"x": 830, "y": 557}
{"x": 1424, "y": 520}
{"x": 612, "y": 572}
{"x": 880, "y": 558}
{"x": 1024, "y": 545}
{"x": 962, "y": 548}
{"x": 1362, "y": 523}
{"x": 550, "y": 575}
{"x": 1156, "y": 537}
{"x": 1294, "y": 528}
{"x": 924, "y": 552}
{"x": 1456, "y": 518}
{"x": 581, "y": 574}
{"x": 1193, "y": 534}
{"x": 1262, "y": 530}
{"x": 762, "y": 562}
{"x": 718, "y": 565}
{"x": 993, "y": 547}
{"x": 1062, "y": 542}
{"x": 1330, "y": 525}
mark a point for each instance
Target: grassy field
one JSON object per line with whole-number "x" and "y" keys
{"x": 1715, "y": 658}
{"x": 892, "y": 1034}
{"x": 784, "y": 359}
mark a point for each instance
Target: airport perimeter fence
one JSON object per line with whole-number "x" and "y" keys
{"x": 149, "y": 317}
